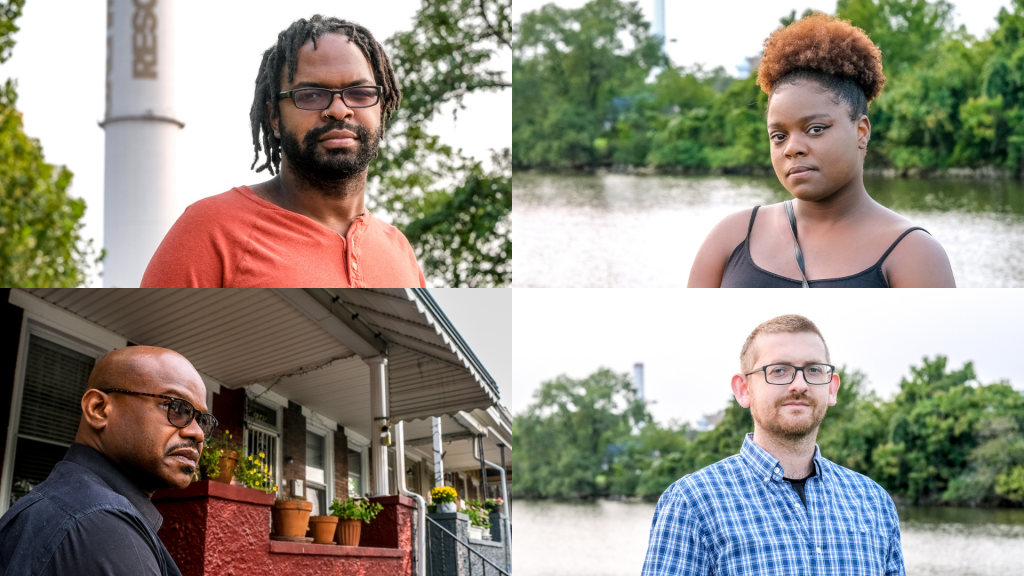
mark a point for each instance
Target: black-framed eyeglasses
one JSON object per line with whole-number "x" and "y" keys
{"x": 783, "y": 374}
{"x": 180, "y": 412}
{"x": 321, "y": 98}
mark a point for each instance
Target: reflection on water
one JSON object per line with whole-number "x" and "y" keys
{"x": 610, "y": 539}
{"x": 632, "y": 231}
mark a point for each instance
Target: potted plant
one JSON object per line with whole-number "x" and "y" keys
{"x": 444, "y": 497}
{"x": 479, "y": 521}
{"x": 218, "y": 460}
{"x": 323, "y": 529}
{"x": 351, "y": 514}
{"x": 493, "y": 505}
{"x": 291, "y": 516}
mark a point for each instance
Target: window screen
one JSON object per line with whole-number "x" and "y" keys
{"x": 55, "y": 379}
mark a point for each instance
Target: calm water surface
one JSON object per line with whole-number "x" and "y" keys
{"x": 610, "y": 539}
{"x": 615, "y": 230}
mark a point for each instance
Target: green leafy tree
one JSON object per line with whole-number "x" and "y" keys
{"x": 574, "y": 73}
{"x": 40, "y": 225}
{"x": 455, "y": 212}
{"x": 569, "y": 433}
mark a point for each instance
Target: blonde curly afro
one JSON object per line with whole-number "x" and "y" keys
{"x": 830, "y": 51}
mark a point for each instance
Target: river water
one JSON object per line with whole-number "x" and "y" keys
{"x": 616, "y": 230}
{"x": 610, "y": 539}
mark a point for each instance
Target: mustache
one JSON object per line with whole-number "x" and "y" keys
{"x": 802, "y": 398}
{"x": 361, "y": 132}
{"x": 186, "y": 444}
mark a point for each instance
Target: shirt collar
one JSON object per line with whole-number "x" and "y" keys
{"x": 97, "y": 463}
{"x": 766, "y": 466}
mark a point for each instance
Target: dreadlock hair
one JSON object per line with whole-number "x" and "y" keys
{"x": 831, "y": 52}
{"x": 286, "y": 50}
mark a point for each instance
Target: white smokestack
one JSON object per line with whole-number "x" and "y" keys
{"x": 141, "y": 136}
{"x": 638, "y": 379}
{"x": 659, "y": 22}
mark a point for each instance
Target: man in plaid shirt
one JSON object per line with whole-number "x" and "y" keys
{"x": 778, "y": 507}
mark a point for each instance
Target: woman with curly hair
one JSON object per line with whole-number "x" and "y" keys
{"x": 819, "y": 74}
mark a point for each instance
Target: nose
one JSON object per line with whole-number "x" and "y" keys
{"x": 338, "y": 109}
{"x": 796, "y": 145}
{"x": 193, "y": 431}
{"x": 799, "y": 384}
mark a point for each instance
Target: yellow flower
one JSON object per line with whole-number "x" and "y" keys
{"x": 261, "y": 455}
{"x": 250, "y": 457}
{"x": 275, "y": 488}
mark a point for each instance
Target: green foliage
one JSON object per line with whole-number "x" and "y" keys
{"x": 571, "y": 431}
{"x": 944, "y": 439}
{"x": 950, "y": 99}
{"x": 40, "y": 225}
{"x": 478, "y": 514}
{"x": 213, "y": 451}
{"x": 454, "y": 212}
{"x": 355, "y": 509}
{"x": 253, "y": 472}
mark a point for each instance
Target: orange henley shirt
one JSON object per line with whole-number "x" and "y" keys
{"x": 237, "y": 240}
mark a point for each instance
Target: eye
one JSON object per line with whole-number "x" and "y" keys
{"x": 777, "y": 137}
{"x": 817, "y": 129}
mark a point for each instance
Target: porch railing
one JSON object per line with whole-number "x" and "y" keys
{"x": 439, "y": 561}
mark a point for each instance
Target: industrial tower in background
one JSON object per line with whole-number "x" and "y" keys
{"x": 139, "y": 203}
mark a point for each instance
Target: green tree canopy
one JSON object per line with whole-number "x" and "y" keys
{"x": 40, "y": 225}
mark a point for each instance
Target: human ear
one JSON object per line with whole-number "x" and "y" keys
{"x": 96, "y": 409}
{"x": 275, "y": 120}
{"x": 863, "y": 132}
{"x": 741, "y": 389}
{"x": 833, "y": 390}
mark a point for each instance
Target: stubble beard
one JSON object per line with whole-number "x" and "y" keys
{"x": 329, "y": 170}
{"x": 790, "y": 427}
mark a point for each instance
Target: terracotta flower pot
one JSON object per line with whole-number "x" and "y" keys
{"x": 228, "y": 461}
{"x": 349, "y": 531}
{"x": 291, "y": 517}
{"x": 323, "y": 528}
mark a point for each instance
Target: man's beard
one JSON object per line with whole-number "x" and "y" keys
{"x": 327, "y": 168}
{"x": 775, "y": 422}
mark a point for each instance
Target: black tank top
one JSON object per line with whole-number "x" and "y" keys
{"x": 741, "y": 272}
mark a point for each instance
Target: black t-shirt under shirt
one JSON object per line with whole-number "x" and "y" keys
{"x": 798, "y": 485}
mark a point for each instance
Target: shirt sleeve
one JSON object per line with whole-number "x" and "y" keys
{"x": 104, "y": 543}
{"x": 894, "y": 557}
{"x": 191, "y": 255}
{"x": 676, "y": 546}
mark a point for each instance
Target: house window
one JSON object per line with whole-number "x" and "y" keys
{"x": 260, "y": 441}
{"x": 55, "y": 379}
{"x": 355, "y": 472}
{"x": 316, "y": 472}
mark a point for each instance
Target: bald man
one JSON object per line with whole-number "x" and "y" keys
{"x": 143, "y": 425}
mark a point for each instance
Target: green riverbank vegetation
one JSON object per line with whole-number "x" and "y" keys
{"x": 591, "y": 89}
{"x": 944, "y": 439}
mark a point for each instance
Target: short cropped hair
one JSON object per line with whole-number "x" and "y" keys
{"x": 788, "y": 324}
{"x": 831, "y": 52}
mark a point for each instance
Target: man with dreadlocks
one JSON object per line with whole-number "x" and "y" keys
{"x": 323, "y": 96}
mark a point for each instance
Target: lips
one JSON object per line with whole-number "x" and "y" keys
{"x": 187, "y": 456}
{"x": 338, "y": 135}
{"x": 798, "y": 171}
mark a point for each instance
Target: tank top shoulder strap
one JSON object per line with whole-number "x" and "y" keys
{"x": 751, "y": 225}
{"x": 893, "y": 246}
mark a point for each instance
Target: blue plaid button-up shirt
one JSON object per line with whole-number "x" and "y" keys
{"x": 739, "y": 516}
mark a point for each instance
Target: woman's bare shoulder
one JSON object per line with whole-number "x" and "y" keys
{"x": 709, "y": 264}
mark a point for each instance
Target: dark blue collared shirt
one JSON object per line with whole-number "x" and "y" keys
{"x": 87, "y": 517}
{"x": 739, "y": 516}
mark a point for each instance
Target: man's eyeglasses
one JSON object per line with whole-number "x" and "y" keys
{"x": 783, "y": 374}
{"x": 321, "y": 98}
{"x": 180, "y": 412}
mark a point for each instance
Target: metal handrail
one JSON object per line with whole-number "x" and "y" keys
{"x": 484, "y": 562}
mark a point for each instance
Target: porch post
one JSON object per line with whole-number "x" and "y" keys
{"x": 435, "y": 424}
{"x": 378, "y": 415}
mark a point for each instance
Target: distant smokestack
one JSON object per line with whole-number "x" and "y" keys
{"x": 659, "y": 22}
{"x": 141, "y": 136}
{"x": 638, "y": 379}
